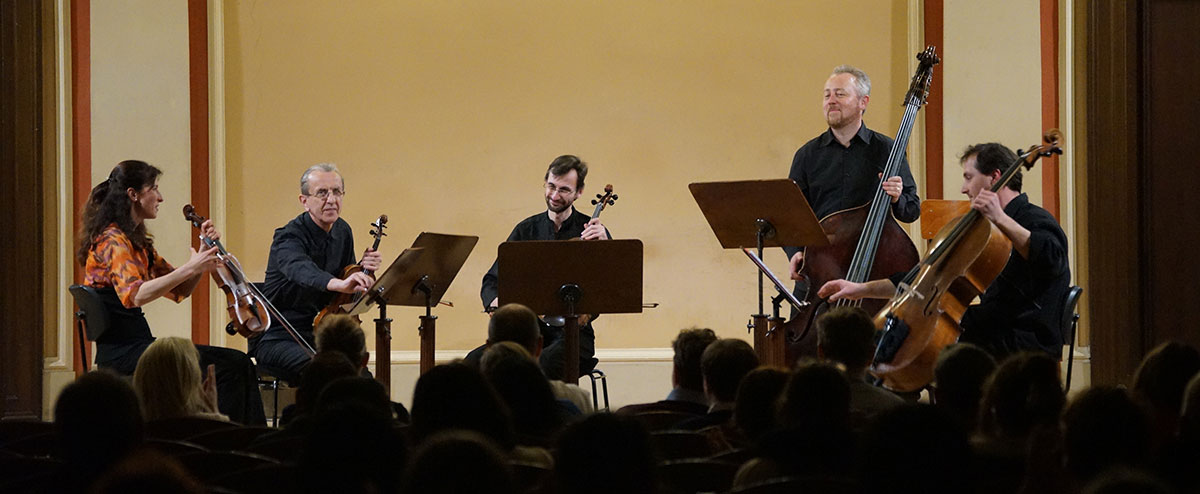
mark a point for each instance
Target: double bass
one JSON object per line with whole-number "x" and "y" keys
{"x": 249, "y": 310}
{"x": 857, "y": 234}
{"x": 964, "y": 259}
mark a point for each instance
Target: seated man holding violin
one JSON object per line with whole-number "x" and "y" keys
{"x": 1021, "y": 309}
{"x": 564, "y": 185}
{"x": 304, "y": 272}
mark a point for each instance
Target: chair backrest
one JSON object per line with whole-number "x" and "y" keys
{"x": 676, "y": 445}
{"x": 94, "y": 312}
{"x": 210, "y": 465}
{"x": 11, "y": 430}
{"x": 229, "y": 438}
{"x": 179, "y": 428}
{"x": 1068, "y": 314}
{"x": 697, "y": 475}
{"x": 661, "y": 420}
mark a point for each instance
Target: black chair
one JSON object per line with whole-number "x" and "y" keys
{"x": 215, "y": 464}
{"x": 697, "y": 475}
{"x": 662, "y": 420}
{"x": 229, "y": 439}
{"x": 180, "y": 428}
{"x": 11, "y": 430}
{"x": 598, "y": 375}
{"x": 531, "y": 478}
{"x": 91, "y": 319}
{"x": 1068, "y": 324}
{"x": 173, "y": 447}
{"x": 285, "y": 448}
{"x": 677, "y": 445}
{"x": 273, "y": 478}
{"x": 41, "y": 445}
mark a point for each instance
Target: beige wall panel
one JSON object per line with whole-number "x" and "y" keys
{"x": 992, "y": 73}
{"x": 444, "y": 115}
{"x": 140, "y": 111}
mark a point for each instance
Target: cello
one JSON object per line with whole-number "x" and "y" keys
{"x": 965, "y": 257}
{"x": 857, "y": 234}
{"x": 341, "y": 299}
{"x": 249, "y": 310}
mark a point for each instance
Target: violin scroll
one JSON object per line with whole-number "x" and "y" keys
{"x": 1049, "y": 147}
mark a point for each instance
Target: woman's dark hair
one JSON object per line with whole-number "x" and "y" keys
{"x": 456, "y": 396}
{"x": 109, "y": 204}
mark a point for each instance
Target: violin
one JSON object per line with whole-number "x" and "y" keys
{"x": 249, "y": 310}
{"x": 342, "y": 299}
{"x": 966, "y": 256}
{"x": 601, "y": 201}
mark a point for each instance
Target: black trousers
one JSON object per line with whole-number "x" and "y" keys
{"x": 237, "y": 383}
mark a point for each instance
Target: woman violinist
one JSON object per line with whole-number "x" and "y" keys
{"x": 120, "y": 261}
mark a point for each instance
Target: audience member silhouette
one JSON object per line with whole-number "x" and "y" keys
{"x": 687, "y": 379}
{"x": 846, "y": 335}
{"x": 1159, "y": 383}
{"x": 605, "y": 453}
{"x": 97, "y": 422}
{"x": 354, "y": 444}
{"x": 959, "y": 375}
{"x": 168, "y": 383}
{"x": 1104, "y": 428}
{"x": 147, "y": 472}
{"x": 458, "y": 461}
{"x": 756, "y": 405}
{"x": 915, "y": 448}
{"x": 723, "y": 364}
{"x": 516, "y": 377}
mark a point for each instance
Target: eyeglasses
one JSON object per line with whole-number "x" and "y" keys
{"x": 566, "y": 191}
{"x": 324, "y": 194}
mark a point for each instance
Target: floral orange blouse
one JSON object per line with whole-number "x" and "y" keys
{"x": 114, "y": 262}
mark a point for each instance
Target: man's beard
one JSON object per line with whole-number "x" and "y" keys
{"x": 550, "y": 206}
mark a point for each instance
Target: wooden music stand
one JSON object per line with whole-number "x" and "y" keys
{"x": 418, "y": 277}
{"x": 760, "y": 213}
{"x": 542, "y": 275}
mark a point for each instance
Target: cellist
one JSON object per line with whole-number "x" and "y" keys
{"x": 1021, "y": 309}
{"x": 840, "y": 168}
{"x": 122, "y": 264}
{"x": 304, "y": 270}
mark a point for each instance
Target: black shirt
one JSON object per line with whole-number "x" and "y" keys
{"x": 302, "y": 261}
{"x": 835, "y": 177}
{"x": 1022, "y": 308}
{"x": 536, "y": 227}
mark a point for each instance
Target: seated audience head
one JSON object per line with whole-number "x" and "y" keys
{"x": 354, "y": 444}
{"x": 846, "y": 335}
{"x": 341, "y": 333}
{"x": 1104, "y": 428}
{"x": 1159, "y": 383}
{"x": 817, "y": 396}
{"x": 518, "y": 324}
{"x": 1189, "y": 424}
{"x": 723, "y": 365}
{"x": 524, "y": 389}
{"x": 168, "y": 380}
{"x": 689, "y": 346}
{"x": 456, "y": 396}
{"x": 97, "y": 422}
{"x": 959, "y": 374}
{"x": 755, "y": 407}
{"x": 605, "y": 453}
{"x": 324, "y": 368}
{"x": 458, "y": 461}
{"x": 907, "y": 439}
{"x": 1024, "y": 393}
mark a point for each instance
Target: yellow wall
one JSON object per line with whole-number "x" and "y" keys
{"x": 444, "y": 115}
{"x": 992, "y": 73}
{"x": 139, "y": 109}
